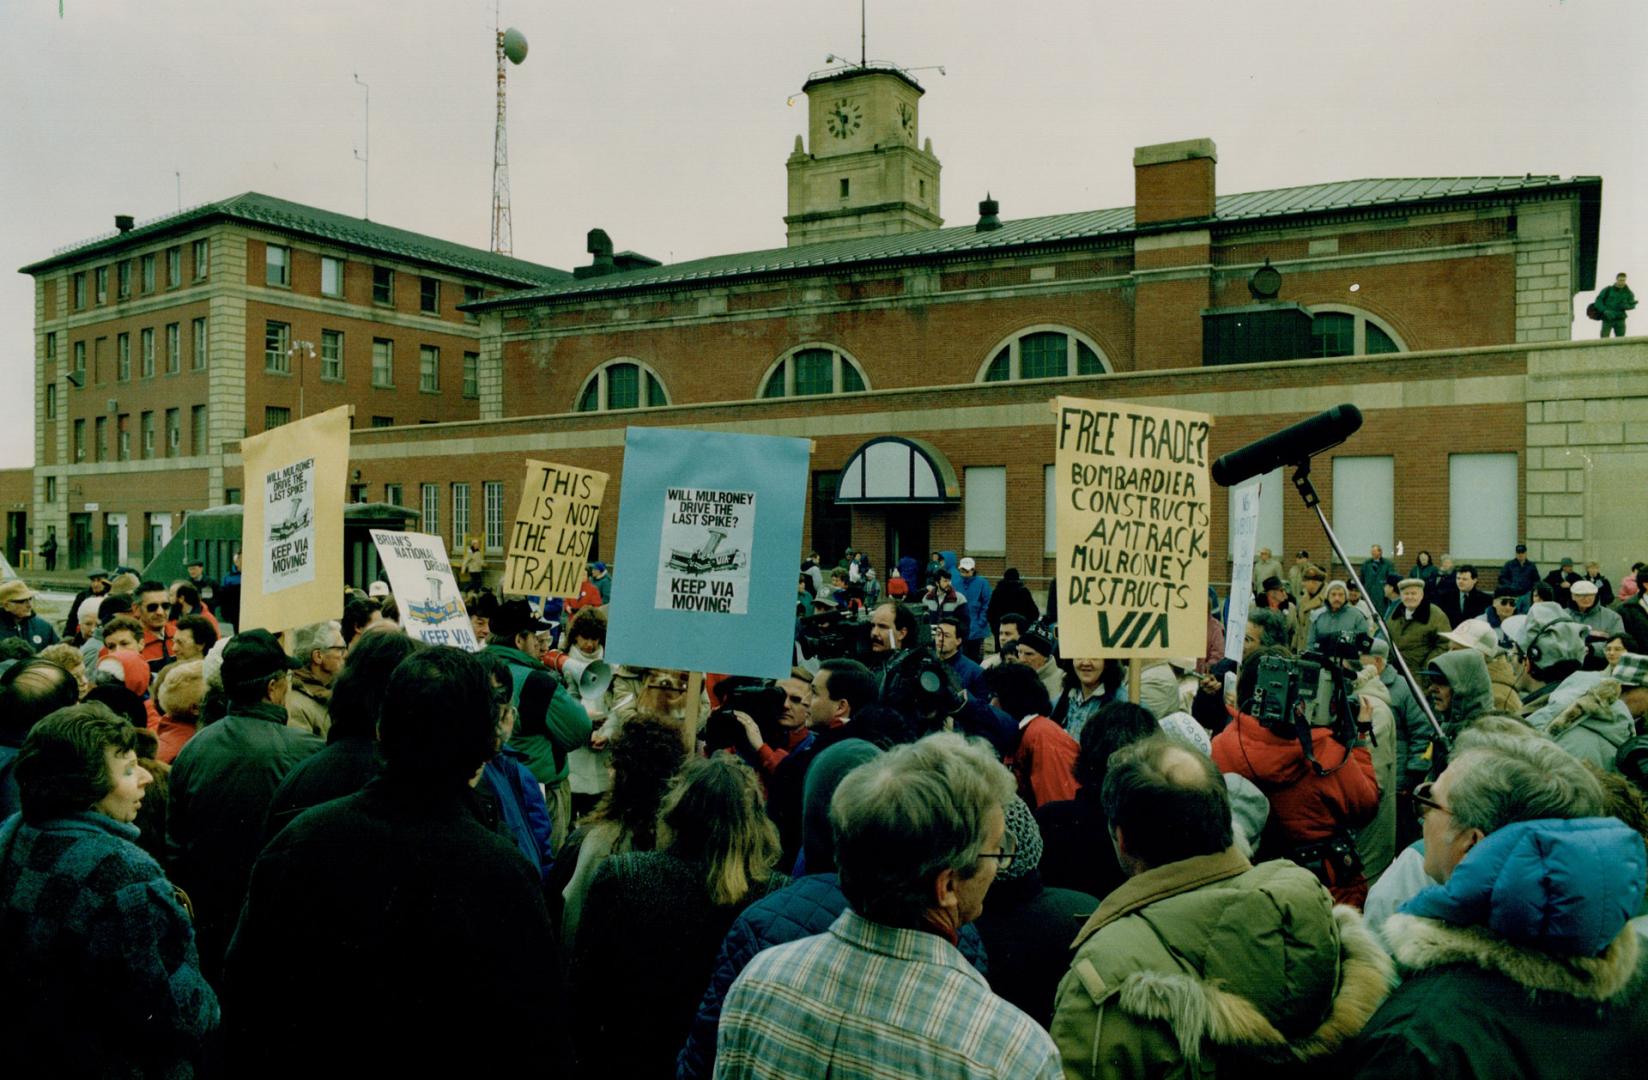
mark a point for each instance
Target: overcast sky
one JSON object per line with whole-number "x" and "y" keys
{"x": 667, "y": 124}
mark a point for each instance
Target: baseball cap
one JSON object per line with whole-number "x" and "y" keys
{"x": 1476, "y": 634}
{"x": 599, "y": 567}
{"x": 97, "y": 572}
{"x": 1631, "y": 670}
{"x": 513, "y": 618}
{"x": 252, "y": 655}
{"x": 825, "y": 600}
{"x": 378, "y": 589}
{"x": 1522, "y": 549}
{"x": 967, "y": 563}
{"x": 16, "y": 589}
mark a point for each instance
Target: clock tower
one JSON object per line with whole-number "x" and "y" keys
{"x": 866, "y": 173}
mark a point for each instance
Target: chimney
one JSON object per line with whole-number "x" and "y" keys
{"x": 1173, "y": 181}
{"x": 124, "y": 222}
{"x": 988, "y": 221}
{"x": 599, "y": 245}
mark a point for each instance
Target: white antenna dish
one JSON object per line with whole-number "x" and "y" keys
{"x": 514, "y": 45}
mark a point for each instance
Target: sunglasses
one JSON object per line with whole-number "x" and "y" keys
{"x": 155, "y": 607}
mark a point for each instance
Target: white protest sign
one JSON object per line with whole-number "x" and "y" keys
{"x": 431, "y": 607}
{"x": 706, "y": 540}
{"x": 1246, "y": 526}
{"x": 289, "y": 526}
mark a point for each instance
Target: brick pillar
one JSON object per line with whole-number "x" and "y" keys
{"x": 1172, "y": 266}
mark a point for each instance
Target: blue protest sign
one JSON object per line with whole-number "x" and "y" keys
{"x": 709, "y": 541}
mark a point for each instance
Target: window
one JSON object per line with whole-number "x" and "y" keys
{"x": 146, "y": 426}
{"x": 472, "y": 294}
{"x": 1364, "y": 502}
{"x": 331, "y": 276}
{"x": 1344, "y": 331}
{"x": 101, "y": 276}
{"x": 101, "y": 449}
{"x": 846, "y": 186}
{"x": 202, "y": 259}
{"x": 429, "y": 296}
{"x": 460, "y": 515}
{"x": 472, "y": 375}
{"x": 80, "y": 440}
{"x": 383, "y": 362}
{"x": 493, "y": 493}
{"x": 813, "y": 370}
{"x": 51, "y": 345}
{"x": 277, "y": 265}
{"x": 392, "y": 495}
{"x": 277, "y": 337}
{"x": 174, "y": 432}
{"x": 429, "y": 369}
{"x": 383, "y": 421}
{"x": 80, "y": 290}
{"x": 383, "y": 285}
{"x": 984, "y": 503}
{"x": 1482, "y": 504}
{"x": 197, "y": 429}
{"x": 123, "y": 278}
{"x": 1044, "y": 352}
{"x": 331, "y": 355}
{"x": 431, "y": 497}
{"x": 275, "y": 415}
{"x": 51, "y": 489}
{"x": 1273, "y": 496}
{"x": 99, "y": 347}
{"x": 174, "y": 267}
{"x": 198, "y": 360}
{"x": 51, "y": 401}
{"x": 80, "y": 359}
{"x": 231, "y": 496}
{"x": 123, "y": 357}
{"x": 123, "y": 436}
{"x": 148, "y": 265}
{"x": 174, "y": 348}
{"x": 147, "y": 338}
{"x": 617, "y": 385}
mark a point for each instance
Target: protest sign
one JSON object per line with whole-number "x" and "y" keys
{"x": 292, "y": 531}
{"x": 431, "y": 607}
{"x": 549, "y": 544}
{"x": 1245, "y": 524}
{"x": 1132, "y": 525}
{"x": 709, "y": 527}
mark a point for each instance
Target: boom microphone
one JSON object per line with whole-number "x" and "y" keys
{"x": 1289, "y": 446}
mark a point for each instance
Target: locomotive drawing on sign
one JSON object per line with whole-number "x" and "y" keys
{"x": 708, "y": 558}
{"x": 435, "y": 609}
{"x": 298, "y": 518}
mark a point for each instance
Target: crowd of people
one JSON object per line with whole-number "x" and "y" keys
{"x": 937, "y": 848}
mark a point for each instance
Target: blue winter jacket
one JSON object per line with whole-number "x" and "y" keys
{"x": 1564, "y": 887}
{"x": 977, "y": 592}
{"x": 521, "y": 807}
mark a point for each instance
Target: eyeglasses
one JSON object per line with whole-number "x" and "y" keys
{"x": 667, "y": 688}
{"x": 1004, "y": 857}
{"x": 1421, "y": 797}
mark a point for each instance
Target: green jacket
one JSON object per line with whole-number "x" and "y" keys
{"x": 550, "y": 723}
{"x": 1214, "y": 962}
{"x": 1615, "y": 301}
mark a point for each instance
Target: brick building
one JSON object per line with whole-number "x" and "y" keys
{"x": 920, "y": 359}
{"x": 157, "y": 346}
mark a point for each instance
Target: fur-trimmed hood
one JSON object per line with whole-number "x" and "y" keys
{"x": 1201, "y": 1010}
{"x": 1421, "y": 944}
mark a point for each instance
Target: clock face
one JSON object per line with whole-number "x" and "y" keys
{"x": 907, "y": 118}
{"x": 844, "y": 119}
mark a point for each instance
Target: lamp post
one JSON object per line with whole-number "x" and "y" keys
{"x": 307, "y": 348}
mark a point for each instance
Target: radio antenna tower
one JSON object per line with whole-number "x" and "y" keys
{"x": 511, "y": 46}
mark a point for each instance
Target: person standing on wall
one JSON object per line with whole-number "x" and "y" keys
{"x": 1614, "y": 302}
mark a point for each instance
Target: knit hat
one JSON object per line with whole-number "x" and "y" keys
{"x": 825, "y": 774}
{"x": 1021, "y": 823}
{"x": 212, "y": 666}
{"x": 1035, "y": 639}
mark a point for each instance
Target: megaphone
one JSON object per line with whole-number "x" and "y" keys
{"x": 590, "y": 678}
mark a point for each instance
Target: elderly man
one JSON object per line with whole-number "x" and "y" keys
{"x": 320, "y": 648}
{"x": 1519, "y": 961}
{"x": 1375, "y": 570}
{"x": 1604, "y": 622}
{"x": 1037, "y": 651}
{"x": 1417, "y": 625}
{"x": 920, "y": 835}
{"x": 1477, "y": 634}
{"x": 1266, "y": 565}
{"x": 98, "y": 585}
{"x": 17, "y": 617}
{"x": 1201, "y": 962}
{"x": 222, "y": 783}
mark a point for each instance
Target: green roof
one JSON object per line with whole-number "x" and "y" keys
{"x": 298, "y": 220}
{"x": 1067, "y": 229}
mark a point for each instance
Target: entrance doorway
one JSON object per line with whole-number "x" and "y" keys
{"x": 80, "y": 541}
{"x": 907, "y": 528}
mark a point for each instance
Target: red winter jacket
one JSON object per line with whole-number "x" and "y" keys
{"x": 1304, "y": 807}
{"x": 1045, "y": 762}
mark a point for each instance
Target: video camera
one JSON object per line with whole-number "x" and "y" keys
{"x": 920, "y": 685}
{"x": 761, "y": 699}
{"x": 1293, "y": 695}
{"x": 833, "y": 635}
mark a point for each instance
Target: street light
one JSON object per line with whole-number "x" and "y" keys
{"x": 307, "y": 348}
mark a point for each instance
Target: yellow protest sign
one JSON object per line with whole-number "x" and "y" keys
{"x": 549, "y": 544}
{"x": 292, "y": 532}
{"x": 1132, "y": 518}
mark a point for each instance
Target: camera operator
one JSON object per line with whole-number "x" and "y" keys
{"x": 948, "y": 634}
{"x": 769, "y": 744}
{"x": 1315, "y": 805}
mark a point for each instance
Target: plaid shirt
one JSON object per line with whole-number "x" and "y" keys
{"x": 865, "y": 1001}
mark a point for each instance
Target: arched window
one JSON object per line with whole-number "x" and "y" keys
{"x": 621, "y": 384}
{"x": 1044, "y": 352}
{"x": 1344, "y": 331}
{"x": 813, "y": 369}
